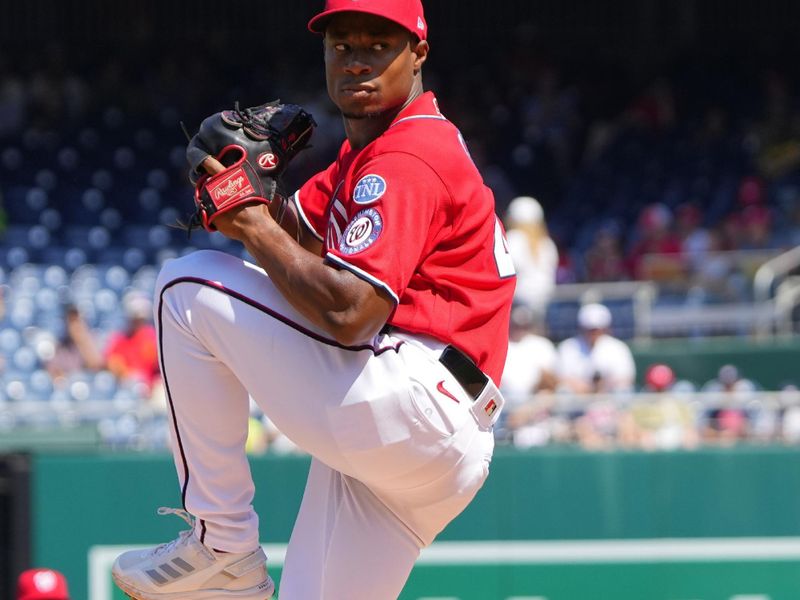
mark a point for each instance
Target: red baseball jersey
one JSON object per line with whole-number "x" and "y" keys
{"x": 409, "y": 213}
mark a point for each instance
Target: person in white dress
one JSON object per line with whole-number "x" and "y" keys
{"x": 533, "y": 252}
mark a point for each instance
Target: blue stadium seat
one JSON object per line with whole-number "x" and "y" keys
{"x": 40, "y": 385}
{"x": 46, "y": 179}
{"x": 74, "y": 258}
{"x": 103, "y": 180}
{"x": 24, "y": 360}
{"x": 107, "y": 301}
{"x": 134, "y": 258}
{"x": 79, "y": 386}
{"x": 110, "y": 218}
{"x": 15, "y": 387}
{"x": 76, "y": 236}
{"x": 51, "y": 219}
{"x": 10, "y": 340}
{"x": 104, "y": 385}
{"x": 22, "y": 314}
{"x": 48, "y": 300}
{"x": 158, "y": 179}
{"x": 16, "y": 235}
{"x": 55, "y": 255}
{"x": 68, "y": 159}
{"x": 116, "y": 278}
{"x": 55, "y": 276}
{"x": 99, "y": 238}
{"x": 124, "y": 158}
{"x": 14, "y": 256}
{"x": 38, "y": 237}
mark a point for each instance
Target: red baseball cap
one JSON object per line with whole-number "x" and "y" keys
{"x": 42, "y": 584}
{"x": 407, "y": 13}
{"x": 659, "y": 377}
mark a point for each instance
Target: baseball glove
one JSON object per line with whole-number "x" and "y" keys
{"x": 255, "y": 145}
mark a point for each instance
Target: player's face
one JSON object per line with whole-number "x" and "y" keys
{"x": 592, "y": 335}
{"x": 371, "y": 64}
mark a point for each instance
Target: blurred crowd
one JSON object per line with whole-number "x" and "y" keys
{"x": 689, "y": 177}
{"x": 583, "y": 391}
{"x": 670, "y": 165}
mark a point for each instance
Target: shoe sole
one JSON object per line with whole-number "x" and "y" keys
{"x": 248, "y": 594}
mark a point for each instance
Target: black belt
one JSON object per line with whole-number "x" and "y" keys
{"x": 466, "y": 372}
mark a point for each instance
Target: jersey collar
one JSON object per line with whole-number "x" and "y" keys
{"x": 424, "y": 107}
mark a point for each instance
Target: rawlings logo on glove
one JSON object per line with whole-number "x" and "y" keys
{"x": 233, "y": 187}
{"x": 255, "y": 145}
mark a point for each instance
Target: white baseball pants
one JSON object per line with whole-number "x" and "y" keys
{"x": 394, "y": 460}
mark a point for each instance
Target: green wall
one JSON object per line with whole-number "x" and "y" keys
{"x": 770, "y": 363}
{"x": 85, "y": 500}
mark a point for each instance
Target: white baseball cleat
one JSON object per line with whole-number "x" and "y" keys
{"x": 186, "y": 569}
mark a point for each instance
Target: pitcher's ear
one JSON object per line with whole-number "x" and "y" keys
{"x": 420, "y": 48}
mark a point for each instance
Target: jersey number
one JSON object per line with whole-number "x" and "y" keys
{"x": 502, "y": 257}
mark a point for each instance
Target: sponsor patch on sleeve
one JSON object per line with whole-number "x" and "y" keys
{"x": 362, "y": 232}
{"x": 369, "y": 189}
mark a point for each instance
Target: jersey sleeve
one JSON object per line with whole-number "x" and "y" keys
{"x": 392, "y": 216}
{"x": 312, "y": 200}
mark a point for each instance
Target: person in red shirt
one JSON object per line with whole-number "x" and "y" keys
{"x": 132, "y": 354}
{"x": 657, "y": 253}
{"x": 375, "y": 343}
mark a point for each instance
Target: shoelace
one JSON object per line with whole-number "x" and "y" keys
{"x": 164, "y": 510}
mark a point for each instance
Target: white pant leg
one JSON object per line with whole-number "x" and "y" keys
{"x": 217, "y": 343}
{"x": 208, "y": 430}
{"x": 345, "y": 544}
{"x": 371, "y": 413}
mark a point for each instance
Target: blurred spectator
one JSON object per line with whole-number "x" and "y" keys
{"x": 76, "y": 351}
{"x": 566, "y": 269}
{"x": 257, "y": 440}
{"x": 531, "y": 360}
{"x": 756, "y": 228}
{"x": 604, "y": 261}
{"x": 664, "y": 422}
{"x": 777, "y": 134}
{"x": 132, "y": 355}
{"x": 714, "y": 270}
{"x": 594, "y": 361}
{"x": 534, "y": 254}
{"x": 56, "y": 95}
{"x": 277, "y": 442}
{"x": 596, "y": 426}
{"x": 657, "y": 253}
{"x": 726, "y": 417}
{"x": 263, "y": 436}
{"x": 654, "y": 109}
{"x": 530, "y": 369}
{"x": 729, "y": 380}
{"x": 695, "y": 239}
{"x": 42, "y": 584}
{"x": 550, "y": 118}
{"x": 787, "y": 222}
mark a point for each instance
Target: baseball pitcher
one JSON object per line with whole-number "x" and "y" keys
{"x": 372, "y": 331}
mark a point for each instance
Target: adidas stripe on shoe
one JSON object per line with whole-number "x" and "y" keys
{"x": 186, "y": 569}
